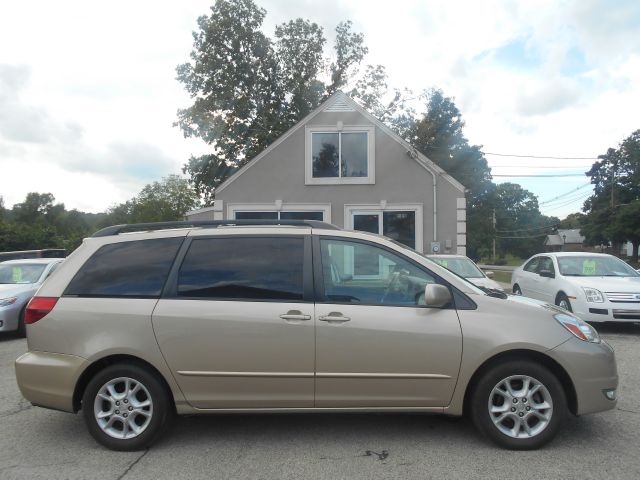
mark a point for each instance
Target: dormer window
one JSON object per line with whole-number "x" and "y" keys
{"x": 339, "y": 155}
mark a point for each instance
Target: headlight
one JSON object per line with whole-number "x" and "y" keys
{"x": 593, "y": 295}
{"x": 5, "y": 302}
{"x": 579, "y": 328}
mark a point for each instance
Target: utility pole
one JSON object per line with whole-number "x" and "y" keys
{"x": 494, "y": 235}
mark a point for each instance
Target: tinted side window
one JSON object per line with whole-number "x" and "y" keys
{"x": 127, "y": 269}
{"x": 532, "y": 265}
{"x": 249, "y": 268}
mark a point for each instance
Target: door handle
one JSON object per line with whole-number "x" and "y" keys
{"x": 334, "y": 317}
{"x": 295, "y": 315}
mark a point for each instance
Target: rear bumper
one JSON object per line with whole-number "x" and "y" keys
{"x": 592, "y": 368}
{"x": 49, "y": 379}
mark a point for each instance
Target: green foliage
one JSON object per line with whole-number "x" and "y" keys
{"x": 248, "y": 89}
{"x": 572, "y": 221}
{"x": 613, "y": 211}
{"x": 439, "y": 135}
{"x": 167, "y": 200}
{"x": 39, "y": 223}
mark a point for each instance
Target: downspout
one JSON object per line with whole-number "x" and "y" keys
{"x": 435, "y": 209}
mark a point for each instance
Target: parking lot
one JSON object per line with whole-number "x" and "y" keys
{"x": 37, "y": 443}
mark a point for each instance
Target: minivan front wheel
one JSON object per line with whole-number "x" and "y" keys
{"x": 519, "y": 405}
{"x": 125, "y": 407}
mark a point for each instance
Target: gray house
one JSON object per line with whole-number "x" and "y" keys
{"x": 342, "y": 165}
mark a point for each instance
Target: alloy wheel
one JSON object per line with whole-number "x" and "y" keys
{"x": 123, "y": 408}
{"x": 520, "y": 406}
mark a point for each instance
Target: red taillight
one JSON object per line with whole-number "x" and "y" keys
{"x": 38, "y": 307}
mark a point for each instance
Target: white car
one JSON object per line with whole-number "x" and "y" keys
{"x": 594, "y": 286}
{"x": 466, "y": 268}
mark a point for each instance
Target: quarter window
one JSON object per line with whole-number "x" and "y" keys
{"x": 532, "y": 266}
{"x": 355, "y": 272}
{"x": 126, "y": 269}
{"x": 246, "y": 268}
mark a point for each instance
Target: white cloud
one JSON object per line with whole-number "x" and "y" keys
{"x": 95, "y": 94}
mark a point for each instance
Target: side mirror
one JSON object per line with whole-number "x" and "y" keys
{"x": 436, "y": 295}
{"x": 489, "y": 274}
{"x": 547, "y": 273}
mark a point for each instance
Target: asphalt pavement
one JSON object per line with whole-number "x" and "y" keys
{"x": 36, "y": 443}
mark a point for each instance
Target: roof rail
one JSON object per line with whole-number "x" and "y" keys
{"x": 144, "y": 227}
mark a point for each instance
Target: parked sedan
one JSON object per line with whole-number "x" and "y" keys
{"x": 19, "y": 281}
{"x": 466, "y": 268}
{"x": 595, "y": 286}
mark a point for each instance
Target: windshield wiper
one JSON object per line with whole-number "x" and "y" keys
{"x": 493, "y": 292}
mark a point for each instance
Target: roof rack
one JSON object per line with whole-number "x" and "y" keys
{"x": 144, "y": 227}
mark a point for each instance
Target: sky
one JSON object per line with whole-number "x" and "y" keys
{"x": 88, "y": 95}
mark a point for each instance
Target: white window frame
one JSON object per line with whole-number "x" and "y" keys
{"x": 278, "y": 206}
{"x": 379, "y": 208}
{"x": 371, "y": 161}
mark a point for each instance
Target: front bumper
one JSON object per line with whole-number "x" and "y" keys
{"x": 593, "y": 371}
{"x": 608, "y": 312}
{"x": 49, "y": 379}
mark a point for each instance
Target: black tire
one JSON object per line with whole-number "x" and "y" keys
{"x": 482, "y": 395}
{"x": 162, "y": 407}
{"x": 517, "y": 290}
{"x": 563, "y": 298}
{"x": 22, "y": 328}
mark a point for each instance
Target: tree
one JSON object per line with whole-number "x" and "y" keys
{"x": 520, "y": 227}
{"x": 572, "y": 221}
{"x": 439, "y": 135}
{"x": 612, "y": 210}
{"x": 167, "y": 200}
{"x": 248, "y": 89}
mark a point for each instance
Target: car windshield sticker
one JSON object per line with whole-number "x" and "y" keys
{"x": 589, "y": 267}
{"x": 444, "y": 263}
{"x": 16, "y": 275}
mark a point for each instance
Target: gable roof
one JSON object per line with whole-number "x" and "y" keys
{"x": 341, "y": 102}
{"x": 564, "y": 236}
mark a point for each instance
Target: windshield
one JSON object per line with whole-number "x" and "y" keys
{"x": 462, "y": 266}
{"x": 430, "y": 259}
{"x": 593, "y": 266}
{"x": 18, "y": 273}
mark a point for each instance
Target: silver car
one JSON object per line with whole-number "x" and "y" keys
{"x": 466, "y": 268}
{"x": 19, "y": 281}
{"x": 228, "y": 317}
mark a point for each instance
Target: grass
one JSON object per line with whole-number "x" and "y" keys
{"x": 504, "y": 277}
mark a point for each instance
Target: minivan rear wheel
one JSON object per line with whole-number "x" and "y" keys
{"x": 126, "y": 407}
{"x": 519, "y": 405}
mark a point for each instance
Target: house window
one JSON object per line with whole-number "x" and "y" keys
{"x": 401, "y": 222}
{"x": 344, "y": 156}
{"x": 274, "y": 215}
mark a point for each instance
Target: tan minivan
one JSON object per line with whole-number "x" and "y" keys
{"x": 145, "y": 321}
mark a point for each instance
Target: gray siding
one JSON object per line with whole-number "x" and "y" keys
{"x": 399, "y": 179}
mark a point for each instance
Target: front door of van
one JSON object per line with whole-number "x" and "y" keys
{"x": 377, "y": 344}
{"x": 236, "y": 322}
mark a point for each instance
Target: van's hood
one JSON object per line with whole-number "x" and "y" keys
{"x": 486, "y": 283}
{"x": 608, "y": 284}
{"x": 12, "y": 289}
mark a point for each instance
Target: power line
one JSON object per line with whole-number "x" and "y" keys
{"x": 565, "y": 194}
{"x": 540, "y": 167}
{"x": 517, "y": 155}
{"x": 538, "y": 156}
{"x": 542, "y": 175}
{"x": 529, "y": 229}
{"x": 555, "y": 207}
{"x": 527, "y": 236}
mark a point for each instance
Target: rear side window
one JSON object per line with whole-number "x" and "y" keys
{"x": 249, "y": 268}
{"x": 127, "y": 269}
{"x": 532, "y": 266}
